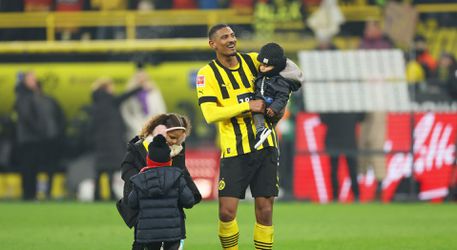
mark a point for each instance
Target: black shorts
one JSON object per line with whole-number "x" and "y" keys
{"x": 258, "y": 170}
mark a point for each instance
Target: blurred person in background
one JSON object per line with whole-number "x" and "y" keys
{"x": 184, "y": 4}
{"x": 109, "y": 32}
{"x": 55, "y": 144}
{"x": 149, "y": 32}
{"x": 446, "y": 75}
{"x": 144, "y": 5}
{"x": 209, "y": 4}
{"x": 245, "y": 5}
{"x": 373, "y": 126}
{"x": 144, "y": 104}
{"x": 371, "y": 144}
{"x": 40, "y": 125}
{"x": 38, "y": 5}
{"x": 109, "y": 5}
{"x": 373, "y": 37}
{"x": 423, "y": 56}
{"x": 7, "y": 145}
{"x": 70, "y": 31}
{"x": 109, "y": 128}
{"x": 415, "y": 73}
{"x": 31, "y": 34}
{"x": 308, "y": 3}
{"x": 156, "y": 4}
{"x": 185, "y": 30}
{"x": 340, "y": 140}
{"x": 6, "y": 141}
{"x": 175, "y": 128}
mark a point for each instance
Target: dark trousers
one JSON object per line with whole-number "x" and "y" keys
{"x": 167, "y": 245}
{"x": 51, "y": 161}
{"x": 30, "y": 158}
{"x": 352, "y": 167}
{"x": 29, "y": 182}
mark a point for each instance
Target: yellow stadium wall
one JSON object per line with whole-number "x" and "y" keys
{"x": 71, "y": 83}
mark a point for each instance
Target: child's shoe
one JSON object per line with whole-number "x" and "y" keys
{"x": 261, "y": 136}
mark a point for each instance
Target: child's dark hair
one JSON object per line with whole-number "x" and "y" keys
{"x": 169, "y": 120}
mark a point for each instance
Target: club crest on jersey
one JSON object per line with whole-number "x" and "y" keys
{"x": 221, "y": 185}
{"x": 200, "y": 81}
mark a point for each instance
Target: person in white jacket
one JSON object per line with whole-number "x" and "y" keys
{"x": 138, "y": 109}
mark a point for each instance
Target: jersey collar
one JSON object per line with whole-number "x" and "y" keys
{"x": 236, "y": 69}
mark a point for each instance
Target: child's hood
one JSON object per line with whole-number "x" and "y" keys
{"x": 157, "y": 181}
{"x": 293, "y": 73}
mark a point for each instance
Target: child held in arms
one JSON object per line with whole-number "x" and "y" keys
{"x": 276, "y": 80}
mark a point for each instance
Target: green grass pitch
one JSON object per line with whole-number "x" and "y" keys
{"x": 298, "y": 225}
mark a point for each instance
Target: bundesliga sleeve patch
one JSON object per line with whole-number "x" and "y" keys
{"x": 200, "y": 81}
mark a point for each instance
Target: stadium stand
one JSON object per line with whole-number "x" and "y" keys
{"x": 354, "y": 80}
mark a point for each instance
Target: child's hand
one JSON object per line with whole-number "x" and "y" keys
{"x": 270, "y": 112}
{"x": 175, "y": 150}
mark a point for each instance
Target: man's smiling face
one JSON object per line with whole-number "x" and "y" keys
{"x": 224, "y": 42}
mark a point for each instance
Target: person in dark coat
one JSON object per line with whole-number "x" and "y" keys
{"x": 40, "y": 126}
{"x": 30, "y": 132}
{"x": 341, "y": 140}
{"x": 109, "y": 128}
{"x": 273, "y": 88}
{"x": 55, "y": 124}
{"x": 160, "y": 191}
{"x": 175, "y": 127}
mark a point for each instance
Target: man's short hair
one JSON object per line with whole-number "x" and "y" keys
{"x": 215, "y": 28}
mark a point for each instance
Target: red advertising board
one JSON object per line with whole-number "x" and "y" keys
{"x": 432, "y": 153}
{"x": 434, "y": 139}
{"x": 311, "y": 170}
{"x": 203, "y": 166}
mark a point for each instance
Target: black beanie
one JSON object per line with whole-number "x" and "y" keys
{"x": 158, "y": 151}
{"x": 272, "y": 54}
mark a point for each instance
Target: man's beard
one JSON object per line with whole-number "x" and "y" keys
{"x": 231, "y": 54}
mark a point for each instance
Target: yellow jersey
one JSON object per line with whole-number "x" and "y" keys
{"x": 224, "y": 95}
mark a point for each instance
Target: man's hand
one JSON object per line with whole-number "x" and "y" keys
{"x": 257, "y": 106}
{"x": 270, "y": 112}
{"x": 160, "y": 130}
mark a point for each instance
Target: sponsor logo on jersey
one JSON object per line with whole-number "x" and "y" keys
{"x": 200, "y": 81}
